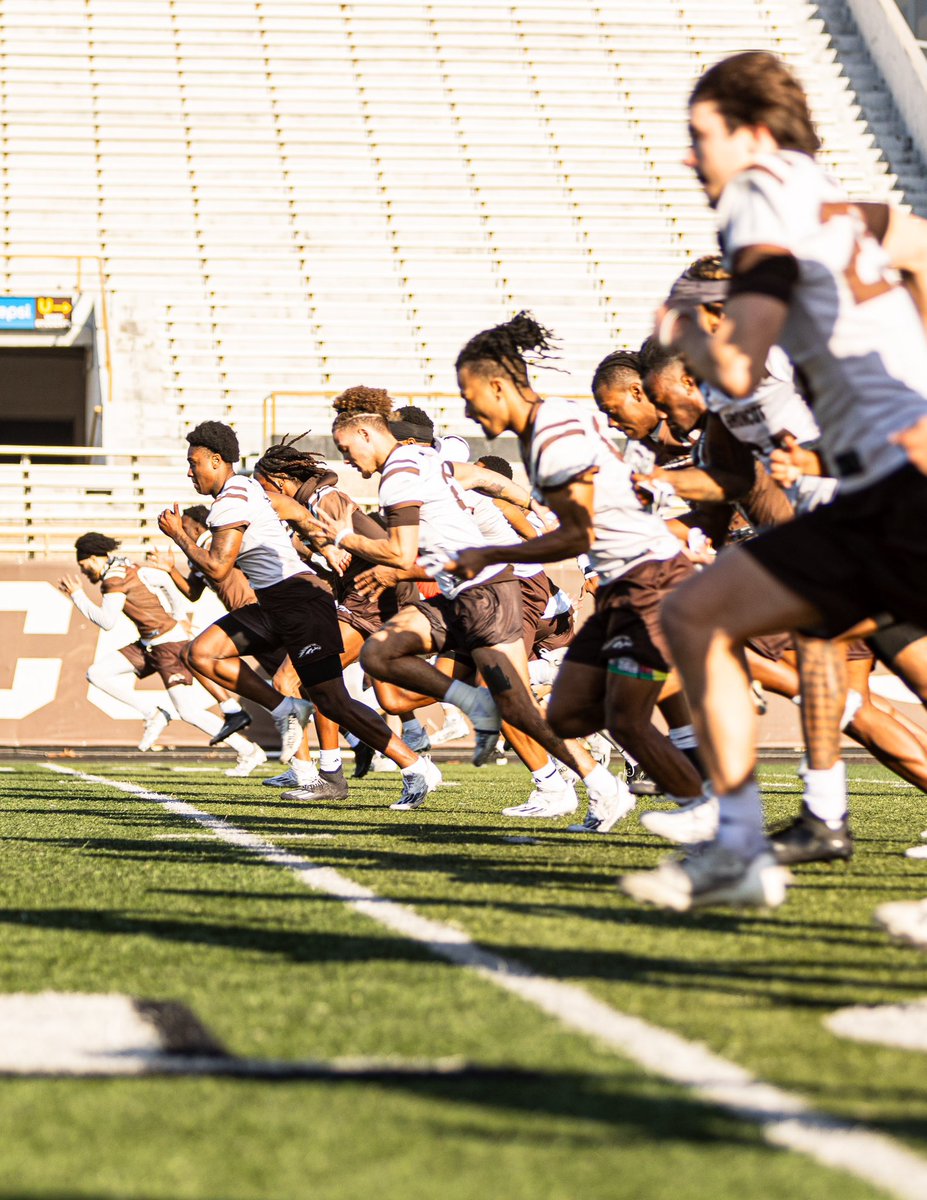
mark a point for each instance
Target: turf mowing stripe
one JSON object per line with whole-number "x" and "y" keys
{"x": 786, "y": 1120}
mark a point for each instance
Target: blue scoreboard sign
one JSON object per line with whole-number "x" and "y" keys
{"x": 41, "y": 313}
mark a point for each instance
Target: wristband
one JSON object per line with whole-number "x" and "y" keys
{"x": 342, "y": 533}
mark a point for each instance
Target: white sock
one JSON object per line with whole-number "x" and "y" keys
{"x": 683, "y": 737}
{"x": 449, "y": 709}
{"x": 741, "y": 821}
{"x": 413, "y": 727}
{"x": 352, "y": 739}
{"x": 826, "y": 794}
{"x": 463, "y": 696}
{"x": 283, "y": 709}
{"x": 600, "y": 782}
{"x": 229, "y": 706}
{"x": 545, "y": 775}
{"x": 304, "y": 770}
{"x": 415, "y": 769}
{"x": 329, "y": 760}
{"x": 239, "y": 744}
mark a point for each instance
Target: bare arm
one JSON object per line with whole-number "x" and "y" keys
{"x": 216, "y": 560}
{"x": 492, "y": 483}
{"x": 516, "y": 518}
{"x": 573, "y": 505}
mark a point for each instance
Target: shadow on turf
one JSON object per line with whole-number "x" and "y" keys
{"x": 775, "y": 980}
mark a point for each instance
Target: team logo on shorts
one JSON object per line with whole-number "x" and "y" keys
{"x": 312, "y": 648}
{"x": 621, "y": 642}
{"x": 181, "y": 678}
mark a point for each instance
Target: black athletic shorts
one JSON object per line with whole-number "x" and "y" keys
{"x": 624, "y": 634}
{"x": 297, "y": 615}
{"x": 892, "y": 637}
{"x": 249, "y": 628}
{"x": 863, "y": 554}
{"x": 486, "y": 615}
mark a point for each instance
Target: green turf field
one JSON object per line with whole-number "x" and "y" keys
{"x": 103, "y": 892}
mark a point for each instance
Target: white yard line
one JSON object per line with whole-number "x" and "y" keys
{"x": 786, "y": 1120}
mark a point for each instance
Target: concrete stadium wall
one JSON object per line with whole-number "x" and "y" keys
{"x": 45, "y": 699}
{"x": 900, "y": 60}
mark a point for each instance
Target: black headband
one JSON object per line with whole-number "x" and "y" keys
{"x": 402, "y": 431}
{"x": 686, "y": 291}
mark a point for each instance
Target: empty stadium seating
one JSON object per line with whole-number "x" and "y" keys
{"x": 293, "y": 196}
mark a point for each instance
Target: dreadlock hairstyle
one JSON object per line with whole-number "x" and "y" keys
{"x": 514, "y": 346}
{"x": 90, "y": 544}
{"x": 286, "y": 459}
{"x": 709, "y": 266}
{"x": 220, "y": 439}
{"x": 494, "y": 462}
{"x": 197, "y": 512}
{"x": 621, "y": 366}
{"x": 357, "y": 405}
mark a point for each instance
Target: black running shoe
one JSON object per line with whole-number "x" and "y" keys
{"x": 640, "y": 784}
{"x": 337, "y": 782}
{"x": 808, "y": 840}
{"x": 363, "y": 757}
{"x": 234, "y": 723}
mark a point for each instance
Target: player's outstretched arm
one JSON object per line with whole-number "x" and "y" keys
{"x": 470, "y": 476}
{"x": 216, "y": 560}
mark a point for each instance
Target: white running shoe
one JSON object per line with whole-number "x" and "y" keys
{"x": 710, "y": 875}
{"x": 291, "y": 728}
{"x": 546, "y": 804}
{"x": 688, "y": 825}
{"x": 381, "y": 763}
{"x": 454, "y": 727}
{"x": 905, "y": 920}
{"x": 606, "y": 811}
{"x": 916, "y": 852}
{"x": 247, "y": 761}
{"x": 417, "y": 785}
{"x": 288, "y": 779}
{"x": 155, "y": 725}
{"x": 599, "y": 748}
{"x": 486, "y": 725}
{"x": 433, "y": 776}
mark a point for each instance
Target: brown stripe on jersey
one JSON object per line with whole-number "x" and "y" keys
{"x": 556, "y": 438}
{"x": 402, "y": 514}
{"x": 398, "y": 471}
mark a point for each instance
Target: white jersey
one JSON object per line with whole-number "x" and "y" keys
{"x": 266, "y": 555}
{"x": 567, "y": 441}
{"x": 452, "y": 448}
{"x": 416, "y": 477}
{"x": 497, "y": 531}
{"x": 763, "y": 418}
{"x": 852, "y": 328}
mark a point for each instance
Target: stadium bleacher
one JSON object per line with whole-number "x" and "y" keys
{"x": 291, "y": 198}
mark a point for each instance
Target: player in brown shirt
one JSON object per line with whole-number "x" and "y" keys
{"x": 143, "y": 594}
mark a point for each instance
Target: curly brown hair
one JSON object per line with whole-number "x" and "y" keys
{"x": 360, "y": 399}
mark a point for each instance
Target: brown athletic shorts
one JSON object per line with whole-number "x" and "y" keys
{"x": 624, "y": 634}
{"x": 535, "y": 594}
{"x": 859, "y": 556}
{"x": 162, "y": 659}
{"x": 302, "y": 617}
{"x": 554, "y": 633}
{"x": 486, "y": 615}
{"x": 775, "y": 645}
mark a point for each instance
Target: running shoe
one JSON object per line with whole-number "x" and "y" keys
{"x": 688, "y": 825}
{"x": 337, "y": 782}
{"x": 291, "y": 726}
{"x": 415, "y": 791}
{"x": 905, "y": 920}
{"x": 546, "y": 804}
{"x": 600, "y": 748}
{"x": 234, "y": 722}
{"x": 806, "y": 840}
{"x": 709, "y": 876}
{"x": 363, "y": 757}
{"x": 247, "y": 761}
{"x": 454, "y": 727}
{"x": 486, "y": 725}
{"x": 640, "y": 782}
{"x": 155, "y": 725}
{"x": 287, "y": 780}
{"x": 320, "y": 788}
{"x": 605, "y": 812}
{"x": 419, "y": 742}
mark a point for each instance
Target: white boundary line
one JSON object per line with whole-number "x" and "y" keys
{"x": 786, "y": 1120}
